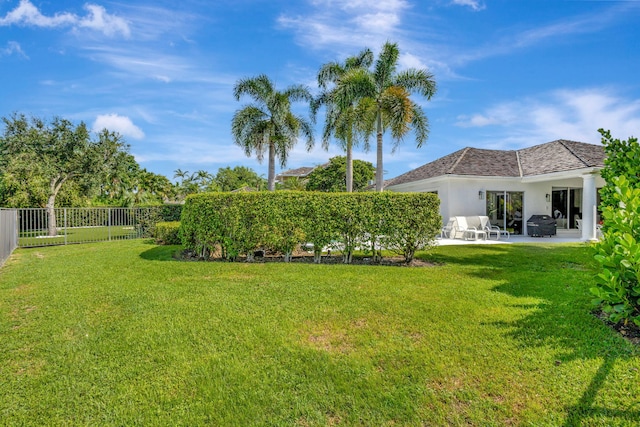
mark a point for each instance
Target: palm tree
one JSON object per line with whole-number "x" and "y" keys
{"x": 385, "y": 101}
{"x": 268, "y": 124}
{"x": 341, "y": 120}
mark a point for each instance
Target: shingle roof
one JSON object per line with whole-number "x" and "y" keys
{"x": 299, "y": 172}
{"x": 555, "y": 156}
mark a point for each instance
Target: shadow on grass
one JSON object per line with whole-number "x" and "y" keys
{"x": 559, "y": 277}
{"x": 162, "y": 253}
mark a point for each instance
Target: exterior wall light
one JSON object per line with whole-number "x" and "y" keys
{"x": 548, "y": 197}
{"x": 480, "y": 195}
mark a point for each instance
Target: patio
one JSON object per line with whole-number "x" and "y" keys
{"x": 570, "y": 237}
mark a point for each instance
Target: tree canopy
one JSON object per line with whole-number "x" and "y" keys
{"x": 384, "y": 101}
{"x": 341, "y": 119}
{"x": 40, "y": 158}
{"x": 229, "y": 179}
{"x": 268, "y": 124}
{"x": 332, "y": 177}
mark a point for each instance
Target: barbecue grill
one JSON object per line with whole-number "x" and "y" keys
{"x": 541, "y": 225}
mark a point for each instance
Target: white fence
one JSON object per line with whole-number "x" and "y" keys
{"x": 8, "y": 233}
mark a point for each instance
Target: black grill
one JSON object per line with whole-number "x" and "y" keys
{"x": 541, "y": 225}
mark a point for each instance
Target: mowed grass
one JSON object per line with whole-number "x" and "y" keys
{"x": 121, "y": 334}
{"x": 77, "y": 235}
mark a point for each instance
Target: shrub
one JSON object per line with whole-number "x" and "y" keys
{"x": 618, "y": 253}
{"x": 239, "y": 223}
{"x": 623, "y": 159}
{"x": 166, "y": 233}
{"x": 148, "y": 217}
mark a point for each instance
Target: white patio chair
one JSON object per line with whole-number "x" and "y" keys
{"x": 493, "y": 230}
{"x": 466, "y": 231}
{"x": 447, "y": 230}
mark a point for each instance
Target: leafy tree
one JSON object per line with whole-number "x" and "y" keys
{"x": 341, "y": 120}
{"x": 332, "y": 176}
{"x": 151, "y": 188}
{"x": 293, "y": 183}
{"x": 622, "y": 159}
{"x": 384, "y": 102}
{"x": 52, "y": 155}
{"x": 618, "y": 283}
{"x": 229, "y": 179}
{"x": 193, "y": 183}
{"x": 268, "y": 123}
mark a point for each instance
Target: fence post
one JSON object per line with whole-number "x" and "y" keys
{"x": 65, "y": 226}
{"x": 109, "y": 223}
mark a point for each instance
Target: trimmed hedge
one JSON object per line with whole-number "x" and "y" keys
{"x": 167, "y": 233}
{"x": 148, "y": 217}
{"x": 240, "y": 223}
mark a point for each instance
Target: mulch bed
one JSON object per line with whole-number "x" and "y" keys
{"x": 305, "y": 258}
{"x": 629, "y": 331}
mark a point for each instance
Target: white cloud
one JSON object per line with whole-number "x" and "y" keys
{"x": 97, "y": 18}
{"x": 13, "y": 48}
{"x": 562, "y": 114}
{"x": 116, "y": 123}
{"x": 473, "y": 4}
{"x": 348, "y": 23}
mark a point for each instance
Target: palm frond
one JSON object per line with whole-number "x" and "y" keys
{"x": 363, "y": 59}
{"x": 329, "y": 73}
{"x": 397, "y": 111}
{"x": 385, "y": 66}
{"x": 417, "y": 81}
{"x": 298, "y": 93}
{"x": 420, "y": 125}
{"x": 259, "y": 88}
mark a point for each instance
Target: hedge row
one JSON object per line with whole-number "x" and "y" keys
{"x": 148, "y": 217}
{"x": 240, "y": 223}
{"x": 167, "y": 233}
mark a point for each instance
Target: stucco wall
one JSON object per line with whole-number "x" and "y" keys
{"x": 459, "y": 195}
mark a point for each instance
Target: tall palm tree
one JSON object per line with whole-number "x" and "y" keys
{"x": 268, "y": 123}
{"x": 385, "y": 101}
{"x": 341, "y": 120}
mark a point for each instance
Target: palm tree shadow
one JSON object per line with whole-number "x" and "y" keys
{"x": 559, "y": 278}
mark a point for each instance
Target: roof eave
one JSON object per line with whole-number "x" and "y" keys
{"x": 574, "y": 173}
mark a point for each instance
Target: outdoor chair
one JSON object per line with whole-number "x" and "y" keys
{"x": 448, "y": 231}
{"x": 492, "y": 230}
{"x": 468, "y": 232}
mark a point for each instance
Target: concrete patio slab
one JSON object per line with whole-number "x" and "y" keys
{"x": 559, "y": 238}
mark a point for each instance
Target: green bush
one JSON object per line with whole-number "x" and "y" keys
{"x": 622, "y": 159}
{"x": 239, "y": 223}
{"x": 167, "y": 233}
{"x": 618, "y": 253}
{"x": 148, "y": 217}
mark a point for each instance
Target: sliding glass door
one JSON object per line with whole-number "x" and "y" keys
{"x": 505, "y": 209}
{"x": 566, "y": 206}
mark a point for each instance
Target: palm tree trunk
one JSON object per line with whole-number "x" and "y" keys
{"x": 349, "y": 167}
{"x": 271, "y": 178}
{"x": 379, "y": 169}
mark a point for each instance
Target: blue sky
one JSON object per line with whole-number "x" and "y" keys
{"x": 510, "y": 73}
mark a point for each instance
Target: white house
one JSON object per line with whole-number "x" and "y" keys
{"x": 511, "y": 185}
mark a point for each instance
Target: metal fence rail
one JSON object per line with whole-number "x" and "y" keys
{"x": 8, "y": 233}
{"x": 82, "y": 225}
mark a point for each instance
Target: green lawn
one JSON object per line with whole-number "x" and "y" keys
{"x": 77, "y": 235}
{"x": 120, "y": 334}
